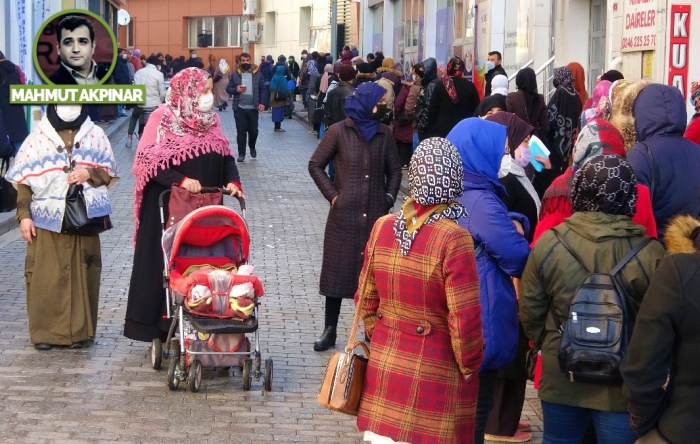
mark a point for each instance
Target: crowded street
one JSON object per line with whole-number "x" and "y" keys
{"x": 109, "y": 392}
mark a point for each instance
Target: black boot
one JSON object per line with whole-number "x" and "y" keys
{"x": 326, "y": 340}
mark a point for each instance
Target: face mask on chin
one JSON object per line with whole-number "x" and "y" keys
{"x": 68, "y": 113}
{"x": 205, "y": 102}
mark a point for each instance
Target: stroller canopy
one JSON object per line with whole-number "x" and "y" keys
{"x": 214, "y": 235}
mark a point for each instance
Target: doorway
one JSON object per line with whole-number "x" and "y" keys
{"x": 596, "y": 56}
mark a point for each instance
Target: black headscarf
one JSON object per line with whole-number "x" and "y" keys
{"x": 526, "y": 81}
{"x": 612, "y": 75}
{"x": 58, "y": 124}
{"x": 606, "y": 184}
{"x": 490, "y": 102}
{"x": 516, "y": 128}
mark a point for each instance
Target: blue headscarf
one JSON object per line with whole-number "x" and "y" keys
{"x": 279, "y": 81}
{"x": 481, "y": 145}
{"x": 359, "y": 106}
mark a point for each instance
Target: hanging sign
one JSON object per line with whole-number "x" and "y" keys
{"x": 678, "y": 52}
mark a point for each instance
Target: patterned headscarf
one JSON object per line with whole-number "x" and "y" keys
{"x": 598, "y": 137}
{"x": 455, "y": 68}
{"x": 605, "y": 184}
{"x": 434, "y": 181}
{"x": 181, "y": 115}
{"x": 600, "y": 104}
{"x": 563, "y": 77}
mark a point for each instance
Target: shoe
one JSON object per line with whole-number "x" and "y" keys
{"x": 518, "y": 437}
{"x": 76, "y": 346}
{"x": 253, "y": 153}
{"x": 122, "y": 115}
{"x": 128, "y": 143}
{"x": 524, "y": 426}
{"x": 280, "y": 130}
{"x": 42, "y": 346}
{"x": 326, "y": 340}
{"x": 241, "y": 158}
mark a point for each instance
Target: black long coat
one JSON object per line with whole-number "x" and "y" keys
{"x": 12, "y": 115}
{"x": 364, "y": 173}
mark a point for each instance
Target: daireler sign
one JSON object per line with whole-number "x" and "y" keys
{"x": 639, "y": 25}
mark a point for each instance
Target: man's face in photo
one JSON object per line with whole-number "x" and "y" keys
{"x": 76, "y": 49}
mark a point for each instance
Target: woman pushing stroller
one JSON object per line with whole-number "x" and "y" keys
{"x": 182, "y": 144}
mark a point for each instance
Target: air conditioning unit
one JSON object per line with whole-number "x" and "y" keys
{"x": 254, "y": 31}
{"x": 249, "y": 7}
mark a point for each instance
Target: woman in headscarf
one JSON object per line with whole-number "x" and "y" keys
{"x": 182, "y": 144}
{"x": 491, "y": 105}
{"x": 612, "y": 76}
{"x": 366, "y": 183}
{"x": 454, "y": 98}
{"x": 325, "y": 82}
{"x": 527, "y": 104}
{"x": 312, "y": 93}
{"x": 221, "y": 78}
{"x": 600, "y": 105}
{"x": 499, "y": 85}
{"x": 503, "y": 251}
{"x": 603, "y": 195}
{"x": 420, "y": 306}
{"x": 61, "y": 271}
{"x": 579, "y": 81}
{"x": 596, "y": 138}
{"x": 564, "y": 118}
{"x": 278, "y": 96}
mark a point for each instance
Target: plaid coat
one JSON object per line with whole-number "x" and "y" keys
{"x": 422, "y": 313}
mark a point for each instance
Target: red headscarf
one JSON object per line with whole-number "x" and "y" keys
{"x": 455, "y": 68}
{"x": 579, "y": 81}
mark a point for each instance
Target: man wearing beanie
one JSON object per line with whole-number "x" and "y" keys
{"x": 334, "y": 109}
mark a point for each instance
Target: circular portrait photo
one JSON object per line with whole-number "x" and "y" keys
{"x": 75, "y": 47}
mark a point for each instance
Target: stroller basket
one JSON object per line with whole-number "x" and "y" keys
{"x": 213, "y": 325}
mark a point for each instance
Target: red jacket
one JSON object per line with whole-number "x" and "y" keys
{"x": 552, "y": 214}
{"x": 692, "y": 133}
{"x": 136, "y": 62}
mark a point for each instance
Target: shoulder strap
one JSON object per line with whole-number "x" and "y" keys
{"x": 652, "y": 185}
{"x": 570, "y": 249}
{"x": 630, "y": 256}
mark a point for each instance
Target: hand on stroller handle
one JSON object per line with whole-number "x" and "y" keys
{"x": 165, "y": 195}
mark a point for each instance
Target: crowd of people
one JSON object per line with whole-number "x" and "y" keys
{"x": 617, "y": 195}
{"x": 494, "y": 269}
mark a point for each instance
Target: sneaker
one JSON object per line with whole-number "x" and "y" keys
{"x": 524, "y": 426}
{"x": 518, "y": 437}
{"x": 128, "y": 143}
{"x": 253, "y": 153}
{"x": 241, "y": 158}
{"x": 280, "y": 130}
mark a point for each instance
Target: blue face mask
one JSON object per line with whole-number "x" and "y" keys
{"x": 693, "y": 100}
{"x": 490, "y": 65}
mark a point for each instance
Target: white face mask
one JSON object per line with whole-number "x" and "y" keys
{"x": 206, "y": 102}
{"x": 124, "y": 56}
{"x": 193, "y": 56}
{"x": 68, "y": 113}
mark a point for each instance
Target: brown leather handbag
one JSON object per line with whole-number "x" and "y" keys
{"x": 183, "y": 202}
{"x": 344, "y": 379}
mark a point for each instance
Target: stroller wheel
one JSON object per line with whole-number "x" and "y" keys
{"x": 267, "y": 382}
{"x": 195, "y": 375}
{"x": 175, "y": 348}
{"x": 174, "y": 374}
{"x": 247, "y": 374}
{"x": 156, "y": 354}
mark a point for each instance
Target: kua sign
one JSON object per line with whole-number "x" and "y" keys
{"x": 679, "y": 49}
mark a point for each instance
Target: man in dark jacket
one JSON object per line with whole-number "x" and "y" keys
{"x": 663, "y": 160}
{"x": 120, "y": 75}
{"x": 282, "y": 61}
{"x": 12, "y": 115}
{"x": 194, "y": 61}
{"x": 247, "y": 86}
{"x": 334, "y": 108}
{"x": 293, "y": 67}
{"x": 493, "y": 64}
{"x": 76, "y": 46}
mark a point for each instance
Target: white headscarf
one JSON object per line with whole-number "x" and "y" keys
{"x": 499, "y": 85}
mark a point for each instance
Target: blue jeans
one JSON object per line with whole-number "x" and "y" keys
{"x": 415, "y": 140}
{"x": 564, "y": 424}
{"x": 120, "y": 110}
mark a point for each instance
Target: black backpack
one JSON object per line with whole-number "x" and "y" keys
{"x": 597, "y": 332}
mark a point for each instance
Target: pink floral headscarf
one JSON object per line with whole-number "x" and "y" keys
{"x": 181, "y": 115}
{"x": 600, "y": 105}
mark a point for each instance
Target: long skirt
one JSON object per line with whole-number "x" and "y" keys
{"x": 220, "y": 94}
{"x": 277, "y": 114}
{"x": 63, "y": 294}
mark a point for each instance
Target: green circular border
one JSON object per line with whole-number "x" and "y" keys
{"x": 83, "y": 12}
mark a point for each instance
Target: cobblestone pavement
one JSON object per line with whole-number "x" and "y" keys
{"x": 109, "y": 392}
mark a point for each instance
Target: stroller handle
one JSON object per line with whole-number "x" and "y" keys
{"x": 165, "y": 196}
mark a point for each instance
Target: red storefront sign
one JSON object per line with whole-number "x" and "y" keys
{"x": 679, "y": 44}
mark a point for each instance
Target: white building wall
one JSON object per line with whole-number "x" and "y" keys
{"x": 288, "y": 26}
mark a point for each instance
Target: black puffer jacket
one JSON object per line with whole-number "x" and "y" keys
{"x": 334, "y": 108}
{"x": 429, "y": 82}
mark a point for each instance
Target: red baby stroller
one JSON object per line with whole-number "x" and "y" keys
{"x": 211, "y": 296}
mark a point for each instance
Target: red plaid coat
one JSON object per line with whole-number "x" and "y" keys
{"x": 422, "y": 313}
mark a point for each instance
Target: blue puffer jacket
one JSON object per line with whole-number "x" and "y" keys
{"x": 501, "y": 252}
{"x": 659, "y": 121}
